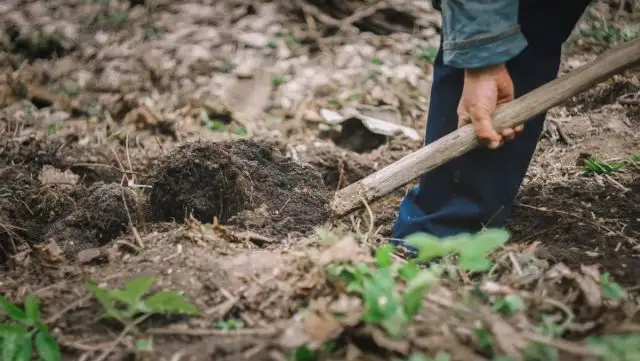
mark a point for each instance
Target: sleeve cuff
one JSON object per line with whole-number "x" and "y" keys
{"x": 484, "y": 51}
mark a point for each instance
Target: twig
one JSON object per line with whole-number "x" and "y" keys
{"x": 371, "y": 217}
{"x": 212, "y": 332}
{"x": 134, "y": 230}
{"x": 122, "y": 334}
{"x": 363, "y": 13}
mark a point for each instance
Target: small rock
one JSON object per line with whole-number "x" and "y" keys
{"x": 89, "y": 255}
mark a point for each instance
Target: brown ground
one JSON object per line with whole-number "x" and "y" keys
{"x": 185, "y": 141}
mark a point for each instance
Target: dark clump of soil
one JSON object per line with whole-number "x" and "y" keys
{"x": 100, "y": 215}
{"x": 240, "y": 182}
{"x": 583, "y": 223}
{"x": 356, "y": 137}
{"x": 74, "y": 216}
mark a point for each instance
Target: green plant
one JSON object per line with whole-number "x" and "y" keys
{"x": 509, "y": 304}
{"x": 231, "y": 324}
{"x": 52, "y": 128}
{"x": 616, "y": 347}
{"x": 611, "y": 34}
{"x": 377, "y": 61}
{"x": 611, "y": 289}
{"x": 277, "y": 80}
{"x": 598, "y": 166}
{"x": 393, "y": 307}
{"x": 131, "y": 301}
{"x": 17, "y": 339}
{"x": 427, "y": 53}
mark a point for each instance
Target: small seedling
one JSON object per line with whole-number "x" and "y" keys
{"x": 427, "y": 53}
{"x": 509, "y": 304}
{"x": 392, "y": 309}
{"x": 616, "y": 347}
{"x": 277, "y": 80}
{"x": 52, "y": 128}
{"x": 131, "y": 301}
{"x": 231, "y": 324}
{"x": 17, "y": 339}
{"x": 143, "y": 345}
{"x": 611, "y": 289}
{"x": 377, "y": 61}
{"x": 597, "y": 166}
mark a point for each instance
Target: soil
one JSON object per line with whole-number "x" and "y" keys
{"x": 184, "y": 141}
{"x": 243, "y": 183}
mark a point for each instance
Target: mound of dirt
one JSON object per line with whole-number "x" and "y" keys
{"x": 98, "y": 217}
{"x": 75, "y": 217}
{"x": 241, "y": 183}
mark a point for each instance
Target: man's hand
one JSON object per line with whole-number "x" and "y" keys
{"x": 485, "y": 90}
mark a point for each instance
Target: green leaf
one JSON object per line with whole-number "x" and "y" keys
{"x": 142, "y": 344}
{"x": 611, "y": 289}
{"x": 167, "y": 302}
{"x": 383, "y": 256}
{"x": 12, "y": 310}
{"x": 475, "y": 264}
{"x": 9, "y": 345}
{"x": 429, "y": 247}
{"x": 442, "y": 356}
{"x": 378, "y": 296}
{"x": 47, "y": 347}
{"x": 137, "y": 288}
{"x": 489, "y": 240}
{"x": 108, "y": 303}
{"x": 415, "y": 291}
{"x": 32, "y": 309}
{"x": 24, "y": 349}
{"x": 408, "y": 270}
{"x": 509, "y": 304}
{"x": 12, "y": 329}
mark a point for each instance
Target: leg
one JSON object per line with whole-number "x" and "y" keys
{"x": 479, "y": 187}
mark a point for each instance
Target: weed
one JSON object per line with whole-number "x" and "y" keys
{"x": 509, "y": 304}
{"x": 598, "y": 166}
{"x": 231, "y": 324}
{"x": 52, "y": 128}
{"x": 392, "y": 309}
{"x": 611, "y": 289}
{"x": 277, "y": 80}
{"x": 616, "y": 347}
{"x": 611, "y": 34}
{"x": 17, "y": 339}
{"x": 427, "y": 53}
{"x": 377, "y": 61}
{"x": 131, "y": 301}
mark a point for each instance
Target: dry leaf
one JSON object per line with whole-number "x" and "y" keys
{"x": 52, "y": 175}
{"x": 49, "y": 253}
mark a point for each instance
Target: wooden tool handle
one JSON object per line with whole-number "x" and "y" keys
{"x": 464, "y": 139}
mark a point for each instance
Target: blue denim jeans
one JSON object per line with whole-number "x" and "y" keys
{"x": 479, "y": 188}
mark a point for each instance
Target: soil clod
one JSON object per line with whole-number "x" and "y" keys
{"x": 237, "y": 183}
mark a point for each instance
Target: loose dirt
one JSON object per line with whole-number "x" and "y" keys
{"x": 243, "y": 183}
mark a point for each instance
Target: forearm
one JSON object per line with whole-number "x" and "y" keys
{"x": 479, "y": 33}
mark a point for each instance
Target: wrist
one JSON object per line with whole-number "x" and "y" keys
{"x": 486, "y": 70}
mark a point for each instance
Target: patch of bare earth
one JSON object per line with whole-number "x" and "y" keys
{"x": 196, "y": 143}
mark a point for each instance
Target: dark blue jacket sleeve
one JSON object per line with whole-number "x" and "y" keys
{"x": 477, "y": 33}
